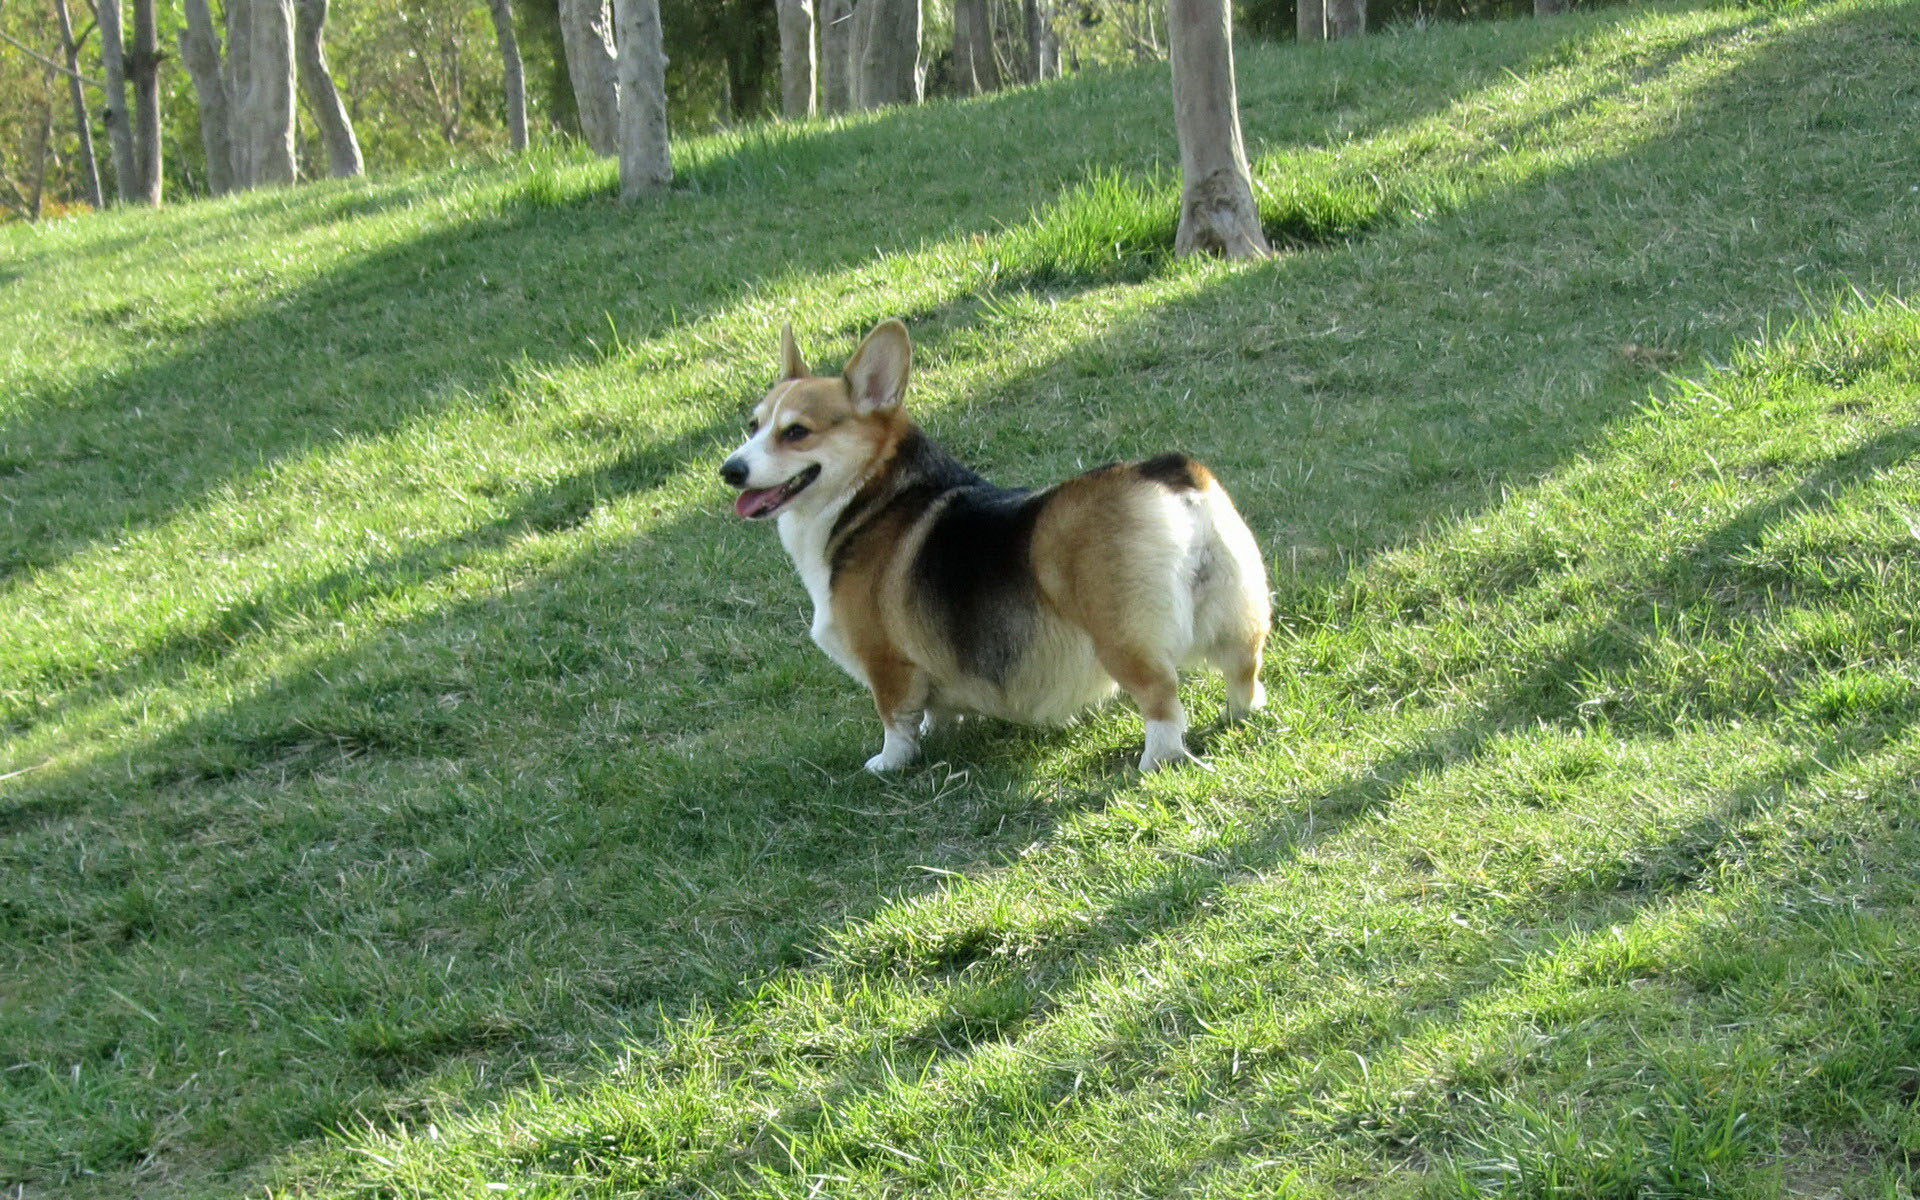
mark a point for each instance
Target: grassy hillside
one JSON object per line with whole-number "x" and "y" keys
{"x": 416, "y": 783}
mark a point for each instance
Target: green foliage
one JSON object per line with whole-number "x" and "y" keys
{"x": 414, "y": 782}
{"x": 422, "y": 81}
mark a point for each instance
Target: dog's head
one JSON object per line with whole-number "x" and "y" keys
{"x": 814, "y": 437}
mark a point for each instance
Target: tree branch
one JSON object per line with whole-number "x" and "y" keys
{"x": 44, "y": 61}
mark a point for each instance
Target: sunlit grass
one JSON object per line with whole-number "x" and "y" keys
{"x": 414, "y": 781}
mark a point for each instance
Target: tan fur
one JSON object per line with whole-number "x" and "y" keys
{"x": 1137, "y": 570}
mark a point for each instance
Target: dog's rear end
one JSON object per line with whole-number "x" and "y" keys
{"x": 1153, "y": 564}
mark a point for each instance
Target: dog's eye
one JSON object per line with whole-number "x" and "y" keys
{"x": 794, "y": 433}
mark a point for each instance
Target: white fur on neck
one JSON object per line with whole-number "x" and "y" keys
{"x": 805, "y": 535}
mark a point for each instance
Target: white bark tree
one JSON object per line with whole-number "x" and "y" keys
{"x": 1217, "y": 212}
{"x": 797, "y": 60}
{"x": 646, "y": 164}
{"x": 266, "y": 113}
{"x": 1043, "y": 48}
{"x": 237, "y": 78}
{"x": 889, "y": 53}
{"x": 514, "y": 71}
{"x": 974, "y": 66}
{"x": 113, "y": 56}
{"x": 836, "y": 55}
{"x": 586, "y": 34}
{"x": 1311, "y": 20}
{"x": 143, "y": 72}
{"x": 200, "y": 51}
{"x": 323, "y": 99}
{"x": 1346, "y": 18}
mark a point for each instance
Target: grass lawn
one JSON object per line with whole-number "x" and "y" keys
{"x": 415, "y": 782}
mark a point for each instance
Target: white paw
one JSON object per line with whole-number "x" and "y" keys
{"x": 891, "y": 759}
{"x": 1166, "y": 745}
{"x": 1153, "y": 762}
{"x": 1255, "y": 702}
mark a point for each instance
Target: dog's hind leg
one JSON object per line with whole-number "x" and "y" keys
{"x": 1240, "y": 663}
{"x": 1232, "y": 611}
{"x": 1235, "y": 619}
{"x": 1147, "y": 675}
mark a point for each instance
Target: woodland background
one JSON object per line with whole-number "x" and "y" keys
{"x": 421, "y": 79}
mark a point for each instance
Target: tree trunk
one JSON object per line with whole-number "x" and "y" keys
{"x": 646, "y": 164}
{"x": 1217, "y": 213}
{"x": 514, "y": 71}
{"x": 1043, "y": 50}
{"x": 974, "y": 68}
{"x": 1549, "y": 8}
{"x": 143, "y": 72}
{"x": 1311, "y": 22}
{"x": 587, "y": 32}
{"x": 797, "y": 60}
{"x": 236, "y": 73}
{"x": 83, "y": 124}
{"x": 1346, "y": 18}
{"x": 126, "y": 174}
{"x": 863, "y": 11}
{"x": 266, "y": 124}
{"x": 200, "y": 50}
{"x": 889, "y": 53}
{"x": 46, "y": 144}
{"x": 323, "y": 99}
{"x": 836, "y": 55}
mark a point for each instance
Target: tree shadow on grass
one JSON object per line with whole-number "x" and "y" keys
{"x": 1265, "y": 1094}
{"x": 636, "y": 799}
{"x": 995, "y": 986}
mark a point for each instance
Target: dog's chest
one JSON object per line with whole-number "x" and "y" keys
{"x": 806, "y": 544}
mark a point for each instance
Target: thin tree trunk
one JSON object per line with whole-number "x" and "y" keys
{"x": 836, "y": 55}
{"x": 126, "y": 174}
{"x": 797, "y": 61}
{"x": 863, "y": 12}
{"x": 646, "y": 163}
{"x": 200, "y": 51}
{"x": 236, "y": 73}
{"x": 889, "y": 53}
{"x": 1217, "y": 212}
{"x": 46, "y": 144}
{"x": 83, "y": 124}
{"x": 587, "y": 32}
{"x": 267, "y": 115}
{"x": 323, "y": 99}
{"x": 1346, "y": 18}
{"x": 1043, "y": 51}
{"x": 974, "y": 67}
{"x": 143, "y": 71}
{"x": 514, "y": 72}
{"x": 1549, "y": 8}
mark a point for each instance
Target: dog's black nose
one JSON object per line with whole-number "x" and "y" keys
{"x": 734, "y": 472}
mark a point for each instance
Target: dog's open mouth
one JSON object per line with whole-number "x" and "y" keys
{"x": 759, "y": 503}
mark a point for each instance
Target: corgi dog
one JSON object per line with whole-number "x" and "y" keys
{"x": 946, "y": 595}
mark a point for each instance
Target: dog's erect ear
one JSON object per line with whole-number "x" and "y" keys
{"x": 877, "y": 376}
{"x": 792, "y": 366}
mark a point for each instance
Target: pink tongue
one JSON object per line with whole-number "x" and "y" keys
{"x": 753, "y": 503}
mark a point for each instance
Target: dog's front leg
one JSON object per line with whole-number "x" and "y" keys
{"x": 900, "y": 696}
